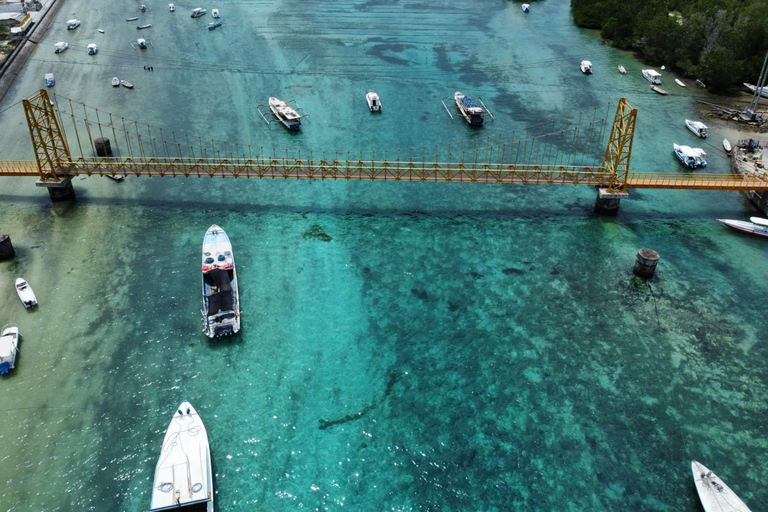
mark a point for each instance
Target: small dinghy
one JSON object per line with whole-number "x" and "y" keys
{"x": 679, "y": 82}
{"x": 374, "y": 103}
{"x": 126, "y": 83}
{"x": 727, "y": 146}
{"x": 100, "y": 30}
{"x": 26, "y": 294}
{"x": 715, "y": 496}
{"x": 134, "y": 18}
{"x": 658, "y": 90}
{"x": 622, "y": 70}
{"x": 115, "y": 82}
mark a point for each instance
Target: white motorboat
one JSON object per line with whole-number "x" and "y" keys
{"x": 50, "y": 81}
{"x": 101, "y": 30}
{"x": 285, "y": 113}
{"x": 753, "y": 88}
{"x": 622, "y": 70}
{"x": 697, "y": 127}
{"x": 93, "y": 49}
{"x": 757, "y": 226}
{"x": 26, "y": 294}
{"x": 715, "y": 496}
{"x": 198, "y": 12}
{"x": 142, "y": 43}
{"x": 215, "y": 13}
{"x": 221, "y": 300}
{"x": 126, "y": 84}
{"x": 73, "y": 24}
{"x": 727, "y": 146}
{"x": 60, "y": 47}
{"x": 374, "y": 103}
{"x": 679, "y": 82}
{"x": 586, "y": 67}
{"x": 115, "y": 82}
{"x": 132, "y": 18}
{"x": 690, "y": 157}
{"x": 470, "y": 110}
{"x": 526, "y": 7}
{"x": 652, "y": 76}
{"x": 171, "y": 7}
{"x": 9, "y": 347}
{"x": 183, "y": 474}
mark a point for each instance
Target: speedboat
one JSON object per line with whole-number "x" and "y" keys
{"x": 753, "y": 88}
{"x": 690, "y": 157}
{"x": 126, "y": 83}
{"x": 586, "y": 67}
{"x": 287, "y": 115}
{"x": 715, "y": 496}
{"x": 93, "y": 49}
{"x": 221, "y": 300}
{"x": 183, "y": 474}
{"x": 9, "y": 347}
{"x": 171, "y": 7}
{"x": 679, "y": 82}
{"x": 470, "y": 110}
{"x": 26, "y": 294}
{"x": 727, "y": 146}
{"x": 652, "y": 76}
{"x": 60, "y": 47}
{"x": 757, "y": 226}
{"x": 49, "y": 80}
{"x": 622, "y": 70}
{"x": 115, "y": 82}
{"x": 697, "y": 127}
{"x": 526, "y": 7}
{"x": 374, "y": 103}
{"x": 214, "y": 25}
{"x": 73, "y": 24}
{"x": 198, "y": 11}
{"x": 215, "y": 13}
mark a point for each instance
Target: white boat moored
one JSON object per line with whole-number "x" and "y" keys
{"x": 9, "y": 347}
{"x": 690, "y": 157}
{"x": 26, "y": 295}
{"x": 526, "y": 7}
{"x": 715, "y": 496}
{"x": 757, "y": 226}
{"x": 221, "y": 300}
{"x": 652, "y": 76}
{"x": 622, "y": 70}
{"x": 60, "y": 47}
{"x": 50, "y": 81}
{"x": 753, "y": 88}
{"x": 171, "y": 7}
{"x": 586, "y": 67}
{"x": 183, "y": 476}
{"x": 679, "y": 82}
{"x": 198, "y": 12}
{"x": 73, "y": 24}
{"x": 115, "y": 82}
{"x": 374, "y": 103}
{"x": 215, "y": 13}
{"x": 727, "y": 146}
{"x": 93, "y": 49}
{"x": 126, "y": 84}
{"x": 697, "y": 127}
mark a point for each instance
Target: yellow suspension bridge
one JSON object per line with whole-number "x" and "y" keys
{"x": 550, "y": 158}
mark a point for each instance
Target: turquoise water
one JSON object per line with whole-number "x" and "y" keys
{"x": 405, "y": 346}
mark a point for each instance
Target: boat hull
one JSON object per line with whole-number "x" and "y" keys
{"x": 727, "y": 146}
{"x": 9, "y": 347}
{"x": 221, "y": 299}
{"x": 277, "y": 107}
{"x": 699, "y": 129}
{"x": 183, "y": 474}
{"x": 715, "y": 496}
{"x": 471, "y": 113}
{"x": 746, "y": 227}
{"x": 26, "y": 295}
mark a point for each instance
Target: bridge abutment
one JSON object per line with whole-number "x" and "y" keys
{"x": 60, "y": 190}
{"x": 607, "y": 203}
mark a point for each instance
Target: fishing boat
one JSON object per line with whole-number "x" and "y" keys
{"x": 285, "y": 113}
{"x": 622, "y": 70}
{"x": 215, "y": 25}
{"x": 198, "y": 12}
{"x": 690, "y": 157}
{"x": 126, "y": 83}
{"x": 183, "y": 474}
{"x": 93, "y": 49}
{"x": 679, "y": 82}
{"x": 658, "y": 90}
{"x": 60, "y": 47}
{"x": 469, "y": 109}
{"x": 50, "y": 81}
{"x": 26, "y": 295}
{"x": 115, "y": 82}
{"x": 142, "y": 27}
{"x": 526, "y": 7}
{"x": 133, "y": 18}
{"x": 215, "y": 13}
{"x": 727, "y": 146}
{"x": 101, "y": 30}
{"x": 221, "y": 300}
{"x": 652, "y": 76}
{"x": 586, "y": 67}
{"x": 142, "y": 43}
{"x": 715, "y": 496}
{"x": 9, "y": 347}
{"x": 697, "y": 127}
{"x": 73, "y": 24}
{"x": 374, "y": 103}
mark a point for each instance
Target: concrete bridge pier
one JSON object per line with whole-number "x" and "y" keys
{"x": 59, "y": 190}
{"x": 6, "y": 248}
{"x": 608, "y": 202}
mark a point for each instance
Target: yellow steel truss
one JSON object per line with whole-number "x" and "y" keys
{"x": 51, "y": 152}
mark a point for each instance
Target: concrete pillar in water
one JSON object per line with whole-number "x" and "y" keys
{"x": 6, "y": 248}
{"x": 645, "y": 264}
{"x": 608, "y": 202}
{"x": 103, "y": 148}
{"x": 61, "y": 190}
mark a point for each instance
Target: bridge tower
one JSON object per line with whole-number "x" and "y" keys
{"x": 616, "y": 159}
{"x": 51, "y": 151}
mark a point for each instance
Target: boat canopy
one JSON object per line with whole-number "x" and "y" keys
{"x": 221, "y": 297}
{"x": 759, "y": 221}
